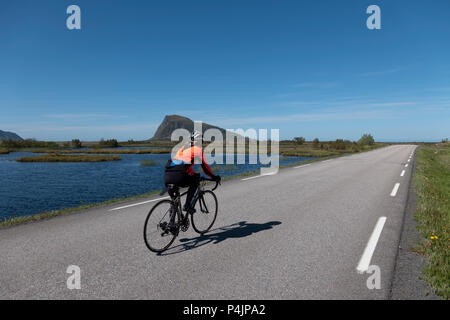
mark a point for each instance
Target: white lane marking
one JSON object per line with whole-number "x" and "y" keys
{"x": 364, "y": 262}
{"x": 138, "y": 204}
{"x": 402, "y": 174}
{"x": 394, "y": 191}
{"x": 303, "y": 165}
{"x": 406, "y": 165}
{"x": 327, "y": 160}
{"x": 261, "y": 175}
{"x": 251, "y": 178}
{"x": 409, "y": 159}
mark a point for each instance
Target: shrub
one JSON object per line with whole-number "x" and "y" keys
{"x": 299, "y": 140}
{"x": 316, "y": 143}
{"x": 339, "y": 144}
{"x": 111, "y": 143}
{"x": 355, "y": 147}
{"x": 366, "y": 140}
{"x": 76, "y": 143}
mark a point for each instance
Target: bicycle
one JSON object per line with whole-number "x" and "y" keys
{"x": 157, "y": 229}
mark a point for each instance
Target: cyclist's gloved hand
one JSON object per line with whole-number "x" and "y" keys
{"x": 217, "y": 178}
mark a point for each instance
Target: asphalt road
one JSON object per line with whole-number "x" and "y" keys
{"x": 299, "y": 234}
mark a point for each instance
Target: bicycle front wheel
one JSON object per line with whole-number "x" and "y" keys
{"x": 157, "y": 235}
{"x": 205, "y": 216}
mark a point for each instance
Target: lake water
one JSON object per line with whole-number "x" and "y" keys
{"x": 30, "y": 188}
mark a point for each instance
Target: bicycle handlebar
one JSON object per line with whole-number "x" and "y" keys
{"x": 209, "y": 179}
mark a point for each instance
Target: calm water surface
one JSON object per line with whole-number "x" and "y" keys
{"x": 30, "y": 188}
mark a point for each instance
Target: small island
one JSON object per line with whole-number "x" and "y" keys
{"x": 69, "y": 158}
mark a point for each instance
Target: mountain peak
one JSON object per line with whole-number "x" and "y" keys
{"x": 173, "y": 122}
{"x": 5, "y": 135}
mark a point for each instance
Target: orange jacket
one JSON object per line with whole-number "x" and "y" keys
{"x": 188, "y": 157}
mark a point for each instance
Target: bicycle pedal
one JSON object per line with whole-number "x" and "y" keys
{"x": 185, "y": 225}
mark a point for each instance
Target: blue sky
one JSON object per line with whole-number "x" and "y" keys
{"x": 309, "y": 68}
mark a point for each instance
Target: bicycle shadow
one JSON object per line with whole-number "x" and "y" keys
{"x": 236, "y": 230}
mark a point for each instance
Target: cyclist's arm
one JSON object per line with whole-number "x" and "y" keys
{"x": 205, "y": 167}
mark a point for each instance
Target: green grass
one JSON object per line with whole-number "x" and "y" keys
{"x": 224, "y": 167}
{"x": 4, "y": 151}
{"x": 148, "y": 163}
{"x": 432, "y": 185}
{"x": 68, "y": 158}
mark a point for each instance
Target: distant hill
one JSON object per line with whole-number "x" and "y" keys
{"x": 5, "y": 135}
{"x": 172, "y": 122}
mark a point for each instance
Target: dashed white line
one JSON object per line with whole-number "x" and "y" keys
{"x": 406, "y": 165}
{"x": 303, "y": 165}
{"x": 364, "y": 262}
{"x": 409, "y": 159}
{"x": 402, "y": 174}
{"x": 394, "y": 191}
{"x": 138, "y": 204}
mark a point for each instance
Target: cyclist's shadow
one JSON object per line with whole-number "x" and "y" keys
{"x": 236, "y": 230}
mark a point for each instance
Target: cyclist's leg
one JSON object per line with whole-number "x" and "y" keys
{"x": 172, "y": 180}
{"x": 191, "y": 182}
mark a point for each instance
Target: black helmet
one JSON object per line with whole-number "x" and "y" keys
{"x": 196, "y": 136}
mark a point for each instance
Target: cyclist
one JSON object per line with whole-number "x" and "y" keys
{"x": 179, "y": 170}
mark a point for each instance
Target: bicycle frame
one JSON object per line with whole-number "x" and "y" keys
{"x": 177, "y": 199}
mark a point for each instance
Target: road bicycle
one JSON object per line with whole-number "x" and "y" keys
{"x": 159, "y": 234}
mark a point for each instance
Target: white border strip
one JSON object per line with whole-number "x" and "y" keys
{"x": 364, "y": 262}
{"x": 261, "y": 175}
{"x": 402, "y": 174}
{"x": 245, "y": 179}
{"x": 303, "y": 165}
{"x": 138, "y": 204}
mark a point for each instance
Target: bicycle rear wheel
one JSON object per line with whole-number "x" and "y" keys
{"x": 205, "y": 216}
{"x": 157, "y": 235}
